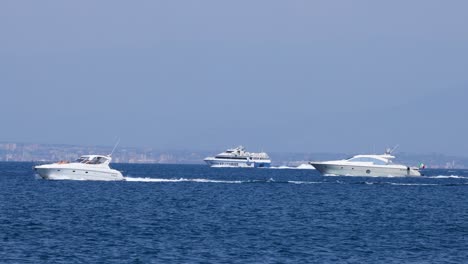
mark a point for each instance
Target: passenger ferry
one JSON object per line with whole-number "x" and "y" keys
{"x": 239, "y": 158}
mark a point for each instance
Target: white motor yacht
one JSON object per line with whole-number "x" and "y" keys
{"x": 238, "y": 157}
{"x": 365, "y": 165}
{"x": 87, "y": 167}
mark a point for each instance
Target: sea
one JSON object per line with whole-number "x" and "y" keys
{"x": 198, "y": 214}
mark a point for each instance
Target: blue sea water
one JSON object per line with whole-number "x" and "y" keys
{"x": 197, "y": 214}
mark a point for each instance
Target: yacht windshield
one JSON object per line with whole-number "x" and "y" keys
{"x": 91, "y": 160}
{"x": 368, "y": 159}
{"x": 97, "y": 160}
{"x": 81, "y": 160}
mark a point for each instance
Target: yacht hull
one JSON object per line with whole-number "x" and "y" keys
{"x": 356, "y": 170}
{"x": 50, "y": 173}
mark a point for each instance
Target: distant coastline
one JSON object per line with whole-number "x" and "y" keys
{"x": 30, "y": 152}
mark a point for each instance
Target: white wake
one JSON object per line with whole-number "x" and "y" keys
{"x": 300, "y": 167}
{"x": 137, "y": 179}
{"x": 447, "y": 177}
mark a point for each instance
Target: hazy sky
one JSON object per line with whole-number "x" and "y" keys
{"x": 308, "y": 76}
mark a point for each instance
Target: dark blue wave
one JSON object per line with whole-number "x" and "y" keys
{"x": 197, "y": 214}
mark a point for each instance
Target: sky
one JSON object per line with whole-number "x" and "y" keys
{"x": 279, "y": 76}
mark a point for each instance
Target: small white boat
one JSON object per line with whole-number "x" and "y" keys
{"x": 239, "y": 158}
{"x": 87, "y": 167}
{"x": 365, "y": 165}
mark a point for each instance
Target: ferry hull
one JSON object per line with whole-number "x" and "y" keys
{"x": 237, "y": 163}
{"x": 353, "y": 170}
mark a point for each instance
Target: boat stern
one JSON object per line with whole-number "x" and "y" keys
{"x": 413, "y": 171}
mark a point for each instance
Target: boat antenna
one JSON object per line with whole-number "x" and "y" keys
{"x": 115, "y": 146}
{"x": 390, "y": 151}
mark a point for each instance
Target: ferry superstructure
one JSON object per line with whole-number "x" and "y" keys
{"x": 238, "y": 157}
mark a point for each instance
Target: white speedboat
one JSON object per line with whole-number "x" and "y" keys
{"x": 365, "y": 165}
{"x": 238, "y": 157}
{"x": 87, "y": 167}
